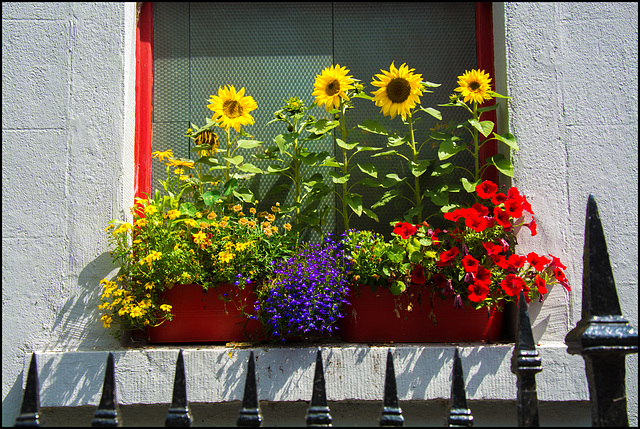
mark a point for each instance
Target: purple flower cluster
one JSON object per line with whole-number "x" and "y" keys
{"x": 306, "y": 294}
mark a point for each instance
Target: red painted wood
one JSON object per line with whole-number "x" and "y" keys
{"x": 144, "y": 98}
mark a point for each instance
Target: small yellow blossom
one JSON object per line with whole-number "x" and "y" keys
{"x": 199, "y": 237}
{"x": 162, "y": 155}
{"x": 150, "y": 210}
{"x": 225, "y": 257}
{"x": 165, "y": 308}
{"x": 172, "y": 214}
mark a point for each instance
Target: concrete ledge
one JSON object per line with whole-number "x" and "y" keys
{"x": 353, "y": 372}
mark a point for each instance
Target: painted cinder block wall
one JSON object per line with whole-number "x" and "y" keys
{"x": 68, "y": 78}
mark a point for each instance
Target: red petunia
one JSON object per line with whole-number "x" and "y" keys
{"x": 533, "y": 227}
{"x": 405, "y": 229}
{"x": 512, "y": 285}
{"x": 483, "y": 275}
{"x": 526, "y": 205}
{"x": 499, "y": 199}
{"x": 470, "y": 264}
{"x": 537, "y": 262}
{"x": 486, "y": 189}
{"x": 501, "y": 217}
{"x": 480, "y": 209}
{"x": 500, "y": 261}
{"x": 541, "y": 284}
{"x": 477, "y": 291}
{"x": 517, "y": 261}
{"x": 513, "y": 206}
{"x": 559, "y": 275}
{"x": 492, "y": 249}
{"x": 417, "y": 275}
{"x": 556, "y": 263}
{"x": 447, "y": 256}
{"x": 476, "y": 222}
{"x": 439, "y": 280}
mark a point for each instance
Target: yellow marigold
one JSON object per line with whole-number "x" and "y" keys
{"x": 212, "y": 216}
{"x": 225, "y": 257}
{"x": 150, "y": 210}
{"x": 106, "y": 321}
{"x": 172, "y": 214}
{"x": 252, "y": 210}
{"x": 191, "y": 223}
{"x": 251, "y": 224}
{"x": 199, "y": 237}
{"x": 165, "y": 308}
{"x": 287, "y": 226}
{"x": 122, "y": 229}
{"x": 149, "y": 286}
{"x": 136, "y": 312}
{"x": 243, "y": 221}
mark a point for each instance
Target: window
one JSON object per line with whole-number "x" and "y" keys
{"x": 275, "y": 50}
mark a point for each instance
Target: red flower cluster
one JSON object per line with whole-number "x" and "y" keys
{"x": 475, "y": 259}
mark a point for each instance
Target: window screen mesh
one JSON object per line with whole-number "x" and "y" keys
{"x": 275, "y": 50}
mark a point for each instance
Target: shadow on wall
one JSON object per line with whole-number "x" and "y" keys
{"x": 78, "y": 325}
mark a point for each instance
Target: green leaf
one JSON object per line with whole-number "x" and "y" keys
{"x": 397, "y": 287}
{"x": 210, "y": 161}
{"x": 248, "y": 144}
{"x": 369, "y": 169}
{"x": 395, "y": 140}
{"x": 276, "y": 169}
{"x": 235, "y": 160}
{"x": 373, "y": 127}
{"x": 338, "y": 178}
{"x": 347, "y": 146}
{"x": 371, "y": 214}
{"x": 396, "y": 254}
{"x": 355, "y": 202}
{"x": 443, "y": 169}
{"x": 331, "y": 163}
{"x": 433, "y": 112}
{"x": 449, "y": 147}
{"x": 485, "y": 127}
{"x": 210, "y": 197}
{"x": 392, "y": 179}
{"x": 418, "y": 169}
{"x": 230, "y": 186}
{"x": 322, "y": 126}
{"x": 369, "y": 182}
{"x": 507, "y": 139}
{"x": 250, "y": 168}
{"x": 245, "y": 194}
{"x": 188, "y": 209}
{"x": 386, "y": 197}
{"x": 415, "y": 256}
{"x": 502, "y": 164}
{"x": 388, "y": 152}
{"x": 309, "y": 158}
{"x": 470, "y": 187}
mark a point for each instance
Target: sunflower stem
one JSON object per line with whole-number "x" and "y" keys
{"x": 416, "y": 188}
{"x": 345, "y": 167}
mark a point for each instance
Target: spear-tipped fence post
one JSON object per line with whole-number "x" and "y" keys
{"x": 391, "y": 414}
{"x": 250, "y": 414}
{"x": 318, "y": 412}
{"x": 459, "y": 414}
{"x": 30, "y": 410}
{"x": 603, "y": 337}
{"x": 525, "y": 364}
{"x": 179, "y": 413}
{"x": 107, "y": 412}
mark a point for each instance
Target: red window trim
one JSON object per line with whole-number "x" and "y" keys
{"x": 144, "y": 101}
{"x": 144, "y": 91}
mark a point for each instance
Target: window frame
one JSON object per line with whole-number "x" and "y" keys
{"x": 144, "y": 91}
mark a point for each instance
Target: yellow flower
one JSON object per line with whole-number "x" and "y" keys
{"x": 399, "y": 91}
{"x": 232, "y": 108}
{"x": 209, "y": 138}
{"x": 475, "y": 86}
{"x": 212, "y": 216}
{"x": 153, "y": 256}
{"x": 150, "y": 210}
{"x": 199, "y": 237}
{"x": 122, "y": 229}
{"x": 225, "y": 257}
{"x": 162, "y": 155}
{"x": 243, "y": 221}
{"x": 172, "y": 214}
{"x": 191, "y": 223}
{"x": 287, "y": 226}
{"x": 149, "y": 285}
{"x": 331, "y": 86}
{"x": 181, "y": 163}
{"x": 165, "y": 307}
{"x": 106, "y": 320}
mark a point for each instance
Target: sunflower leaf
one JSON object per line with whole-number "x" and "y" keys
{"x": 369, "y": 169}
{"x": 322, "y": 126}
{"x": 338, "y": 178}
{"x": 355, "y": 202}
{"x": 433, "y": 112}
{"x": 449, "y": 147}
{"x": 508, "y": 139}
{"x": 485, "y": 127}
{"x": 249, "y": 144}
{"x": 502, "y": 164}
{"x": 373, "y": 127}
{"x": 347, "y": 146}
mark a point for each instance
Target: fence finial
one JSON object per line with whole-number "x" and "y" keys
{"x": 459, "y": 414}
{"x": 391, "y": 414}
{"x": 250, "y": 412}
{"x": 30, "y": 410}
{"x": 603, "y": 337}
{"x": 318, "y": 413}
{"x": 179, "y": 413}
{"x": 525, "y": 363}
{"x": 107, "y": 412}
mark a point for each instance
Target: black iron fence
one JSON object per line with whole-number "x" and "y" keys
{"x": 603, "y": 338}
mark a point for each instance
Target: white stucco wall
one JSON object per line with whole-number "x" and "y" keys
{"x": 67, "y": 146}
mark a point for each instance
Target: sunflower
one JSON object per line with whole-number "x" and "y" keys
{"x": 232, "y": 108}
{"x": 474, "y": 85}
{"x": 332, "y": 85}
{"x": 399, "y": 91}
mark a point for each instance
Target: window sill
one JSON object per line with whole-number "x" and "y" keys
{"x": 352, "y": 372}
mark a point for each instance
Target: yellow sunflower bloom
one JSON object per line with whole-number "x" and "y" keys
{"x": 232, "y": 108}
{"x": 331, "y": 86}
{"x": 162, "y": 155}
{"x": 399, "y": 91}
{"x": 475, "y": 86}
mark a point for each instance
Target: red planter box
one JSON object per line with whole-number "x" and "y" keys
{"x": 382, "y": 317}
{"x": 201, "y": 317}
